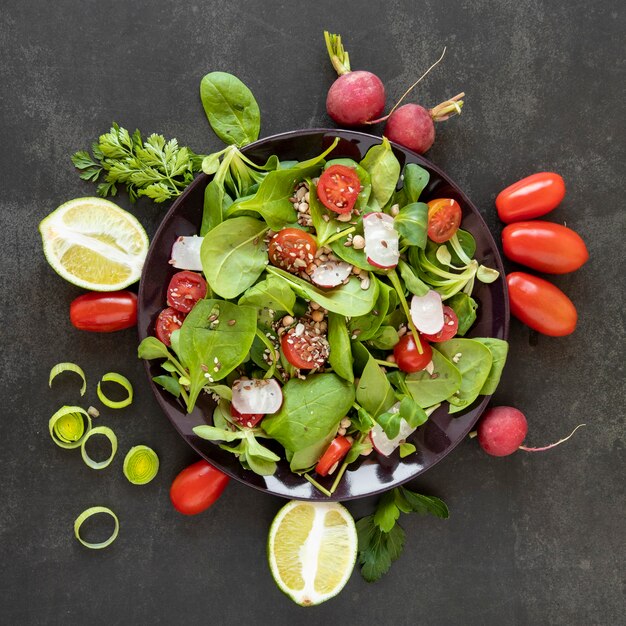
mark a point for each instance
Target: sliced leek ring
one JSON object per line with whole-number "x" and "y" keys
{"x": 94, "y": 510}
{"x": 113, "y": 377}
{"x": 141, "y": 465}
{"x": 69, "y": 427}
{"x": 110, "y": 435}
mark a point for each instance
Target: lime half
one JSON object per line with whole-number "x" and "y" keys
{"x": 93, "y": 243}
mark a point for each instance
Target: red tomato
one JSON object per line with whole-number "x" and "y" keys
{"x": 292, "y": 249}
{"x": 168, "y": 321}
{"x": 530, "y": 197}
{"x": 540, "y": 305}
{"x": 338, "y": 188}
{"x": 450, "y": 326}
{"x": 337, "y": 449}
{"x": 184, "y": 290}
{"x": 296, "y": 348}
{"x": 444, "y": 219}
{"x": 407, "y": 356}
{"x": 246, "y": 419}
{"x": 197, "y": 487}
{"x": 544, "y": 246}
{"x": 104, "y": 312}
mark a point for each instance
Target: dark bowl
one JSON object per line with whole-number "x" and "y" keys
{"x": 373, "y": 474}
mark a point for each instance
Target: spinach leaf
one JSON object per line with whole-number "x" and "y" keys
{"x": 415, "y": 180}
{"x": 271, "y": 293}
{"x": 384, "y": 170}
{"x": 428, "y": 389}
{"x": 411, "y": 281}
{"x": 305, "y": 459}
{"x": 169, "y": 383}
{"x": 412, "y": 224}
{"x": 351, "y": 255}
{"x": 366, "y": 326}
{"x": 499, "y": 350}
{"x": 385, "y": 339}
{"x": 340, "y": 353}
{"x": 465, "y": 308}
{"x": 364, "y": 178}
{"x": 473, "y": 360}
{"x": 311, "y": 410}
{"x": 324, "y": 230}
{"x": 234, "y": 255}
{"x": 231, "y": 108}
{"x": 374, "y": 393}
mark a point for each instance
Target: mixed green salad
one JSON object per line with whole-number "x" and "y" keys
{"x": 324, "y": 306}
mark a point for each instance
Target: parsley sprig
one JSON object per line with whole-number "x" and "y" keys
{"x": 155, "y": 168}
{"x": 381, "y": 538}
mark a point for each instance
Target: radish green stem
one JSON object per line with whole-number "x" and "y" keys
{"x": 318, "y": 486}
{"x": 395, "y": 281}
{"x": 338, "y": 55}
{"x": 386, "y": 363}
{"x": 552, "y": 445}
{"x": 340, "y": 234}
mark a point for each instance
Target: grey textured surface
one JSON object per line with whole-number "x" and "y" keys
{"x": 532, "y": 539}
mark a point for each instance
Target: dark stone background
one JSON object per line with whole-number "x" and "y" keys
{"x": 532, "y": 539}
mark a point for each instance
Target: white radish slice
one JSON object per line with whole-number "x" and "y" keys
{"x": 427, "y": 312}
{"x": 331, "y": 273}
{"x": 257, "y": 395}
{"x": 186, "y": 253}
{"x": 381, "y": 240}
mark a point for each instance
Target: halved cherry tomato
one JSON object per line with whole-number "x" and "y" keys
{"x": 540, "y": 305}
{"x": 338, "y": 188}
{"x": 544, "y": 246}
{"x": 295, "y": 346}
{"x": 337, "y": 449}
{"x": 104, "y": 312}
{"x": 168, "y": 321}
{"x": 292, "y": 249}
{"x": 246, "y": 419}
{"x": 444, "y": 219}
{"x": 450, "y": 326}
{"x": 407, "y": 356}
{"x": 185, "y": 289}
{"x": 530, "y": 197}
{"x": 197, "y": 487}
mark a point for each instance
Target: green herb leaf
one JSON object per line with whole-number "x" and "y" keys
{"x": 415, "y": 180}
{"x": 386, "y": 512}
{"x": 406, "y": 449}
{"x": 377, "y": 549}
{"x": 465, "y": 308}
{"x": 425, "y": 504}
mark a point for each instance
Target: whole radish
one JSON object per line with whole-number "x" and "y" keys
{"x": 502, "y": 430}
{"x": 355, "y": 98}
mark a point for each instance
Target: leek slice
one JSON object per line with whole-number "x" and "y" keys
{"x": 110, "y": 435}
{"x": 68, "y": 367}
{"x": 94, "y": 510}
{"x": 70, "y": 426}
{"x": 141, "y": 465}
{"x": 113, "y": 377}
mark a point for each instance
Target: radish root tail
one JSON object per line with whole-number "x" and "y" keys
{"x": 552, "y": 445}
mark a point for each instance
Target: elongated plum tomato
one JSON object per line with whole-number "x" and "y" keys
{"x": 104, "y": 312}
{"x": 444, "y": 219}
{"x": 544, "y": 246}
{"x": 168, "y": 321}
{"x": 185, "y": 289}
{"x": 292, "y": 249}
{"x": 450, "y": 326}
{"x": 407, "y": 356}
{"x": 335, "y": 452}
{"x": 338, "y": 188}
{"x": 530, "y": 197}
{"x": 197, "y": 487}
{"x": 540, "y": 305}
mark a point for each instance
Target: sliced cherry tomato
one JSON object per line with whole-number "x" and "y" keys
{"x": 296, "y": 346}
{"x": 407, "y": 356}
{"x": 168, "y": 321}
{"x": 540, "y": 305}
{"x": 104, "y": 312}
{"x": 450, "y": 326}
{"x": 197, "y": 487}
{"x": 292, "y": 249}
{"x": 544, "y": 246}
{"x": 530, "y": 197}
{"x": 338, "y": 188}
{"x": 184, "y": 290}
{"x": 444, "y": 219}
{"x": 246, "y": 419}
{"x": 335, "y": 452}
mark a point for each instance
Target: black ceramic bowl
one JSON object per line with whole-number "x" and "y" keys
{"x": 373, "y": 474}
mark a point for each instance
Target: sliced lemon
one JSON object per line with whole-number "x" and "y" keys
{"x": 312, "y": 549}
{"x": 93, "y": 243}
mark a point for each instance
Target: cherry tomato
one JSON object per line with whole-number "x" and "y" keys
{"x": 530, "y": 197}
{"x": 104, "y": 312}
{"x": 292, "y": 249}
{"x": 184, "y": 290}
{"x": 337, "y": 449}
{"x": 444, "y": 219}
{"x": 168, "y": 321}
{"x": 246, "y": 419}
{"x": 407, "y": 356}
{"x": 295, "y": 347}
{"x": 450, "y": 326}
{"x": 338, "y": 188}
{"x": 197, "y": 487}
{"x": 540, "y": 305}
{"x": 544, "y": 246}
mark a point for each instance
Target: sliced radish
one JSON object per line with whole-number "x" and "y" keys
{"x": 186, "y": 253}
{"x": 331, "y": 273}
{"x": 427, "y": 312}
{"x": 381, "y": 240}
{"x": 257, "y": 395}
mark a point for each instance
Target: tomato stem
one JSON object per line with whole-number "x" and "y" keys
{"x": 395, "y": 281}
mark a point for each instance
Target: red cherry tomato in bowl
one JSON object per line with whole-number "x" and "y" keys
{"x": 335, "y": 452}
{"x": 197, "y": 487}
{"x": 296, "y": 348}
{"x": 292, "y": 249}
{"x": 450, "y": 326}
{"x": 407, "y": 356}
{"x": 185, "y": 289}
{"x": 104, "y": 312}
{"x": 168, "y": 321}
{"x": 249, "y": 420}
{"x": 444, "y": 219}
{"x": 338, "y": 188}
{"x": 530, "y": 197}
